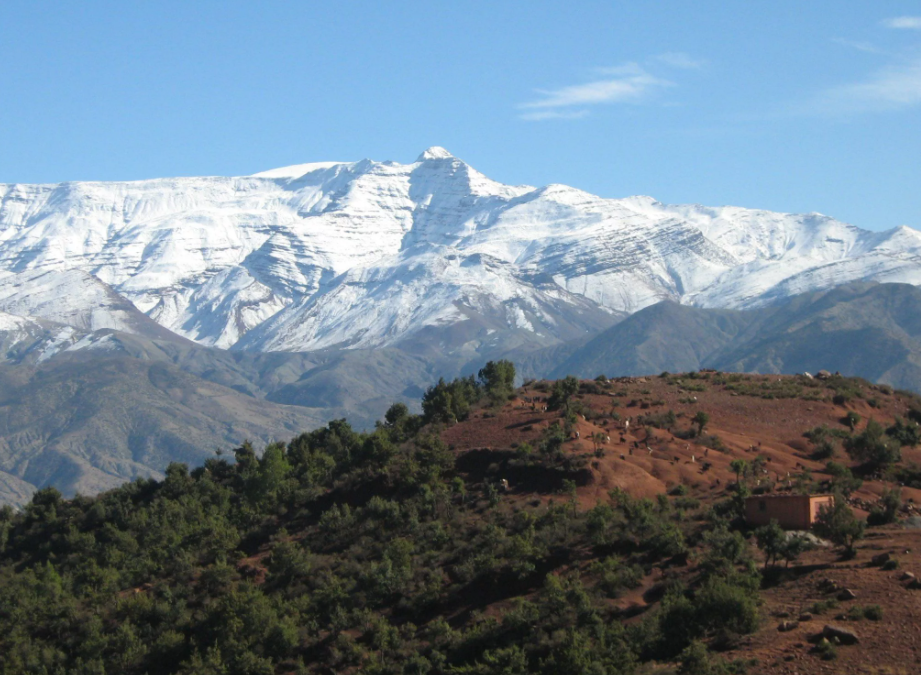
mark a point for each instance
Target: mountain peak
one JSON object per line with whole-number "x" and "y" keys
{"x": 435, "y": 152}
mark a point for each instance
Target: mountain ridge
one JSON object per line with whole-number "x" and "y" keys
{"x": 866, "y": 329}
{"x": 321, "y": 246}
{"x": 332, "y": 289}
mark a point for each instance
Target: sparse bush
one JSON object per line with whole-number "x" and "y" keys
{"x": 841, "y": 399}
{"x": 687, "y": 503}
{"x": 843, "y": 480}
{"x": 824, "y": 450}
{"x": 563, "y": 390}
{"x": 909, "y": 476}
{"x": 821, "y": 433}
{"x": 692, "y": 386}
{"x": 873, "y": 447}
{"x": 887, "y": 510}
{"x": 852, "y": 419}
{"x": 822, "y": 606}
{"x": 905, "y": 433}
{"x": 873, "y": 612}
{"x": 826, "y": 650}
{"x": 590, "y": 388}
{"x": 711, "y": 441}
{"x": 662, "y": 420}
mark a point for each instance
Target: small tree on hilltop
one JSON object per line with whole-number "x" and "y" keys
{"x": 563, "y": 390}
{"x": 740, "y": 468}
{"x": 395, "y": 414}
{"x": 701, "y": 419}
{"x": 498, "y": 379}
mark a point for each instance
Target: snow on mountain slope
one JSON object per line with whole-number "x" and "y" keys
{"x": 74, "y": 298}
{"x": 24, "y": 339}
{"x": 370, "y": 253}
{"x": 434, "y": 288}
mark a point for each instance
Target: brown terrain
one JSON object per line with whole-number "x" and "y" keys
{"x": 647, "y": 461}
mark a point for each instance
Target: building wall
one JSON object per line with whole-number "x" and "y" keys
{"x": 792, "y": 512}
{"x": 816, "y": 504}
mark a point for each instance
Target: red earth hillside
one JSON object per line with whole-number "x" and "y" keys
{"x": 750, "y": 416}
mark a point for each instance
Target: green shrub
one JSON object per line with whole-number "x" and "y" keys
{"x": 873, "y": 447}
{"x": 905, "y": 433}
{"x": 887, "y": 510}
{"x": 615, "y": 576}
{"x": 843, "y": 480}
{"x": 826, "y": 650}
{"x": 822, "y": 606}
{"x": 561, "y": 393}
{"x": 824, "y": 450}
{"x": 687, "y": 503}
{"x": 873, "y": 612}
{"x": 839, "y": 525}
{"x": 662, "y": 420}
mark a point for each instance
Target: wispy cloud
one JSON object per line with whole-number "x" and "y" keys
{"x": 539, "y": 115}
{"x": 629, "y": 83}
{"x": 680, "y": 60}
{"x": 856, "y": 44}
{"x": 895, "y": 87}
{"x": 909, "y": 22}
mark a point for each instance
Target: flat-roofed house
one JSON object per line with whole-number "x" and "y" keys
{"x": 792, "y": 512}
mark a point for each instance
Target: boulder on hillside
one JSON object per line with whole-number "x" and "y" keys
{"x": 880, "y": 560}
{"x": 847, "y": 594}
{"x": 842, "y": 635}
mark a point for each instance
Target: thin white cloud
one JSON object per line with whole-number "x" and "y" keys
{"x": 909, "y": 22}
{"x": 892, "y": 88}
{"x": 680, "y": 60}
{"x": 629, "y": 83}
{"x": 859, "y": 45}
{"x": 539, "y": 115}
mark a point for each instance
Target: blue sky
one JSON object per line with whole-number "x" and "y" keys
{"x": 788, "y": 106}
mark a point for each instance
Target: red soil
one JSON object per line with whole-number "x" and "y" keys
{"x": 747, "y": 426}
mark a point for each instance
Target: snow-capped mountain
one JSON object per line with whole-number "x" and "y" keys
{"x": 370, "y": 254}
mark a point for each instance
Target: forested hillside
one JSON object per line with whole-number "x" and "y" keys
{"x": 406, "y": 550}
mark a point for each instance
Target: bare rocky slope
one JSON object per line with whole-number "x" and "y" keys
{"x": 870, "y": 330}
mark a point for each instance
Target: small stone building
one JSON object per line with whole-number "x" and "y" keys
{"x": 793, "y": 512}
